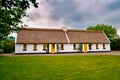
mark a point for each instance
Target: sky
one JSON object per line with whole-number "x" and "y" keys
{"x": 78, "y": 14}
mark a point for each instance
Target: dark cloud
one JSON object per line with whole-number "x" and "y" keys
{"x": 114, "y": 5}
{"x": 61, "y": 9}
{"x": 34, "y": 16}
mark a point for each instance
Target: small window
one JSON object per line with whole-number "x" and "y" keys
{"x": 24, "y": 47}
{"x": 35, "y": 47}
{"x": 74, "y": 46}
{"x": 104, "y": 46}
{"x": 62, "y": 46}
{"x": 90, "y": 46}
{"x": 97, "y": 46}
{"x": 44, "y": 46}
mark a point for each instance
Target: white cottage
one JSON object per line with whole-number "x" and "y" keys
{"x": 37, "y": 40}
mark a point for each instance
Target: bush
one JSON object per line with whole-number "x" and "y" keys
{"x": 115, "y": 44}
{"x": 8, "y": 46}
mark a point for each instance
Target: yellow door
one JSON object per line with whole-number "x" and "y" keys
{"x": 52, "y": 48}
{"x": 85, "y": 48}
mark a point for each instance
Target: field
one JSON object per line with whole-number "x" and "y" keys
{"x": 101, "y": 67}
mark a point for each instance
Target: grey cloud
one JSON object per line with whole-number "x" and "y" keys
{"x": 62, "y": 9}
{"x": 114, "y": 5}
{"x": 34, "y": 16}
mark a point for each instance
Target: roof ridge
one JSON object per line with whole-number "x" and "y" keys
{"x": 61, "y": 29}
{"x": 84, "y": 30}
{"x": 46, "y": 29}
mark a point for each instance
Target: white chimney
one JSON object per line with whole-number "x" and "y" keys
{"x": 65, "y": 29}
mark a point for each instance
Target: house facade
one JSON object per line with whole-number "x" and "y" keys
{"x": 37, "y": 40}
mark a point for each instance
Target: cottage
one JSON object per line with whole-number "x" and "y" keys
{"x": 38, "y": 40}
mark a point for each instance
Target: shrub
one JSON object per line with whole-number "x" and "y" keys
{"x": 8, "y": 46}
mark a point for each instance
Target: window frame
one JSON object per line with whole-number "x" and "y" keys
{"x": 35, "y": 47}
{"x": 62, "y": 46}
{"x": 97, "y": 46}
{"x": 44, "y": 46}
{"x": 24, "y": 47}
{"x": 90, "y": 46}
{"x": 74, "y": 46}
{"x": 104, "y": 46}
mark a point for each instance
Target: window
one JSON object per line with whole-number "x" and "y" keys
{"x": 104, "y": 46}
{"x": 90, "y": 46}
{"x": 35, "y": 47}
{"x": 24, "y": 47}
{"x": 97, "y": 46}
{"x": 74, "y": 46}
{"x": 62, "y": 46}
{"x": 44, "y": 46}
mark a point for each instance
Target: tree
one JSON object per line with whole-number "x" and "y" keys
{"x": 110, "y": 31}
{"x": 11, "y": 12}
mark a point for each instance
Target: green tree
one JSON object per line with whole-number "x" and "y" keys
{"x": 110, "y": 31}
{"x": 11, "y": 12}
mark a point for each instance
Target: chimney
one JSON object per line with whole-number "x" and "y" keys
{"x": 65, "y": 29}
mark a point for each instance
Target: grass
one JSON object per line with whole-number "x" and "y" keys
{"x": 60, "y": 68}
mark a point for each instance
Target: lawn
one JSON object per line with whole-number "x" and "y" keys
{"x": 60, "y": 68}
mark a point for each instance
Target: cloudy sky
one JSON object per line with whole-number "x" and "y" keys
{"x": 74, "y": 13}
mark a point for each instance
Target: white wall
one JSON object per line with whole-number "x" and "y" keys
{"x": 68, "y": 48}
{"x": 100, "y": 47}
{"x": 19, "y": 48}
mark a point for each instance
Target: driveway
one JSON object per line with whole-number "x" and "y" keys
{"x": 67, "y": 54}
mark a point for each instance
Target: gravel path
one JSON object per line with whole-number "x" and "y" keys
{"x": 67, "y": 54}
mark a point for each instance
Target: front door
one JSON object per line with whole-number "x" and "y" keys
{"x": 85, "y": 48}
{"x": 52, "y": 48}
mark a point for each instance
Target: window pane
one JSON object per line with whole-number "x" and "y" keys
{"x": 97, "y": 46}
{"x": 35, "y": 47}
{"x": 62, "y": 46}
{"x": 44, "y": 46}
{"x": 104, "y": 46}
{"x": 74, "y": 46}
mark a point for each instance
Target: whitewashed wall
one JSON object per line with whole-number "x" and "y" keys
{"x": 68, "y": 48}
{"x": 19, "y": 48}
{"x": 100, "y": 47}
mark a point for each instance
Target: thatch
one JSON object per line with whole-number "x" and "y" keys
{"x": 32, "y": 35}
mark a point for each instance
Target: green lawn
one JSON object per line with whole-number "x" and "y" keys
{"x": 60, "y": 68}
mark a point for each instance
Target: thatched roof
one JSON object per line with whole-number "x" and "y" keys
{"x": 37, "y": 35}
{"x": 84, "y": 36}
